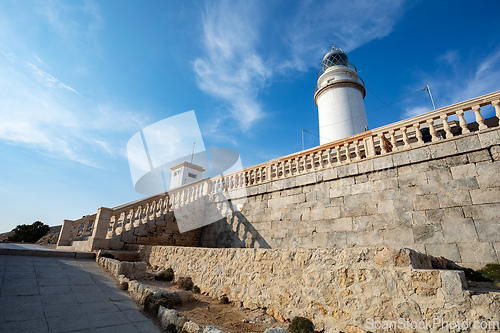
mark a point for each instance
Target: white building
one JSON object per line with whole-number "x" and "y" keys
{"x": 339, "y": 97}
{"x": 185, "y": 173}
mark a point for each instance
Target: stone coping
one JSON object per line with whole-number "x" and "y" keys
{"x": 18, "y": 249}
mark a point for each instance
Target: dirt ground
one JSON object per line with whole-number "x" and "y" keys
{"x": 205, "y": 310}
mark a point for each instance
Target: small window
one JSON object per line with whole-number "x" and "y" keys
{"x": 192, "y": 175}
{"x": 177, "y": 172}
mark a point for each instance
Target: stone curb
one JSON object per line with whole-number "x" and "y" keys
{"x": 48, "y": 253}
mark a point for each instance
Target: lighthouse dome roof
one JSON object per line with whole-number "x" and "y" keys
{"x": 335, "y": 57}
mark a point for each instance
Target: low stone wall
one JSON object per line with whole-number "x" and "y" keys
{"x": 441, "y": 199}
{"x": 132, "y": 270}
{"x": 335, "y": 288}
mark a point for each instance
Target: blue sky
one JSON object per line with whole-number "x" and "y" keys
{"x": 79, "y": 78}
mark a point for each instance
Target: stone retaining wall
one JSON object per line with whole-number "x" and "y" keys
{"x": 335, "y": 288}
{"x": 441, "y": 199}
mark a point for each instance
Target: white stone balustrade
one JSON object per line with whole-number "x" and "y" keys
{"x": 76, "y": 230}
{"x": 401, "y": 135}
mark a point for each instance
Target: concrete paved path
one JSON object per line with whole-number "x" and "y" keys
{"x": 54, "y": 294}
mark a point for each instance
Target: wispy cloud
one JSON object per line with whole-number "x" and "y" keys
{"x": 40, "y": 112}
{"x": 47, "y": 79}
{"x": 77, "y": 23}
{"x": 347, "y": 24}
{"x": 236, "y": 69}
{"x": 462, "y": 77}
{"x": 232, "y": 69}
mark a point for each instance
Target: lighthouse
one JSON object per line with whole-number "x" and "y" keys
{"x": 339, "y": 97}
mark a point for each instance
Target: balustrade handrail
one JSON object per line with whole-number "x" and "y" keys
{"x": 471, "y": 104}
{"x": 144, "y": 201}
{"x": 448, "y": 110}
{"x": 311, "y": 152}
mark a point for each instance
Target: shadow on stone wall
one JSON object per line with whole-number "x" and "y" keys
{"x": 233, "y": 231}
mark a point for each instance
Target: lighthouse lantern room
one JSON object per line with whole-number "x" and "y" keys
{"x": 339, "y": 97}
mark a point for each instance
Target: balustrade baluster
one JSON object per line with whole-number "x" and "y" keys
{"x": 496, "y": 105}
{"x": 406, "y": 140}
{"x": 126, "y": 220}
{"x": 462, "y": 122}
{"x": 147, "y": 213}
{"x": 137, "y": 221}
{"x": 446, "y": 126}
{"x": 339, "y": 160}
{"x": 394, "y": 143}
{"x": 347, "y": 153}
{"x": 418, "y": 134}
{"x": 432, "y": 130}
{"x": 356, "y": 150}
{"x": 479, "y": 117}
{"x": 383, "y": 148}
{"x": 320, "y": 159}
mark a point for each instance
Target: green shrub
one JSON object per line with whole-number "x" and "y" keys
{"x": 169, "y": 301}
{"x": 477, "y": 276}
{"x": 185, "y": 283}
{"x": 29, "y": 233}
{"x": 171, "y": 328}
{"x": 196, "y": 289}
{"x": 491, "y": 272}
{"x": 166, "y": 275}
{"x": 301, "y": 325}
{"x": 147, "y": 301}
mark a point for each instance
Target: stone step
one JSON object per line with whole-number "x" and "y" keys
{"x": 119, "y": 254}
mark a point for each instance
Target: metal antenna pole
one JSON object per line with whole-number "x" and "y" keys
{"x": 192, "y": 152}
{"x": 302, "y": 138}
{"x": 430, "y": 95}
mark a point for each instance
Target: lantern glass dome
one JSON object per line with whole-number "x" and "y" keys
{"x": 336, "y": 57}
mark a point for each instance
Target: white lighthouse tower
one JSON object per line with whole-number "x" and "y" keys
{"x": 339, "y": 97}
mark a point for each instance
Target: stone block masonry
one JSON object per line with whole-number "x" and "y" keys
{"x": 338, "y": 289}
{"x": 441, "y": 199}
